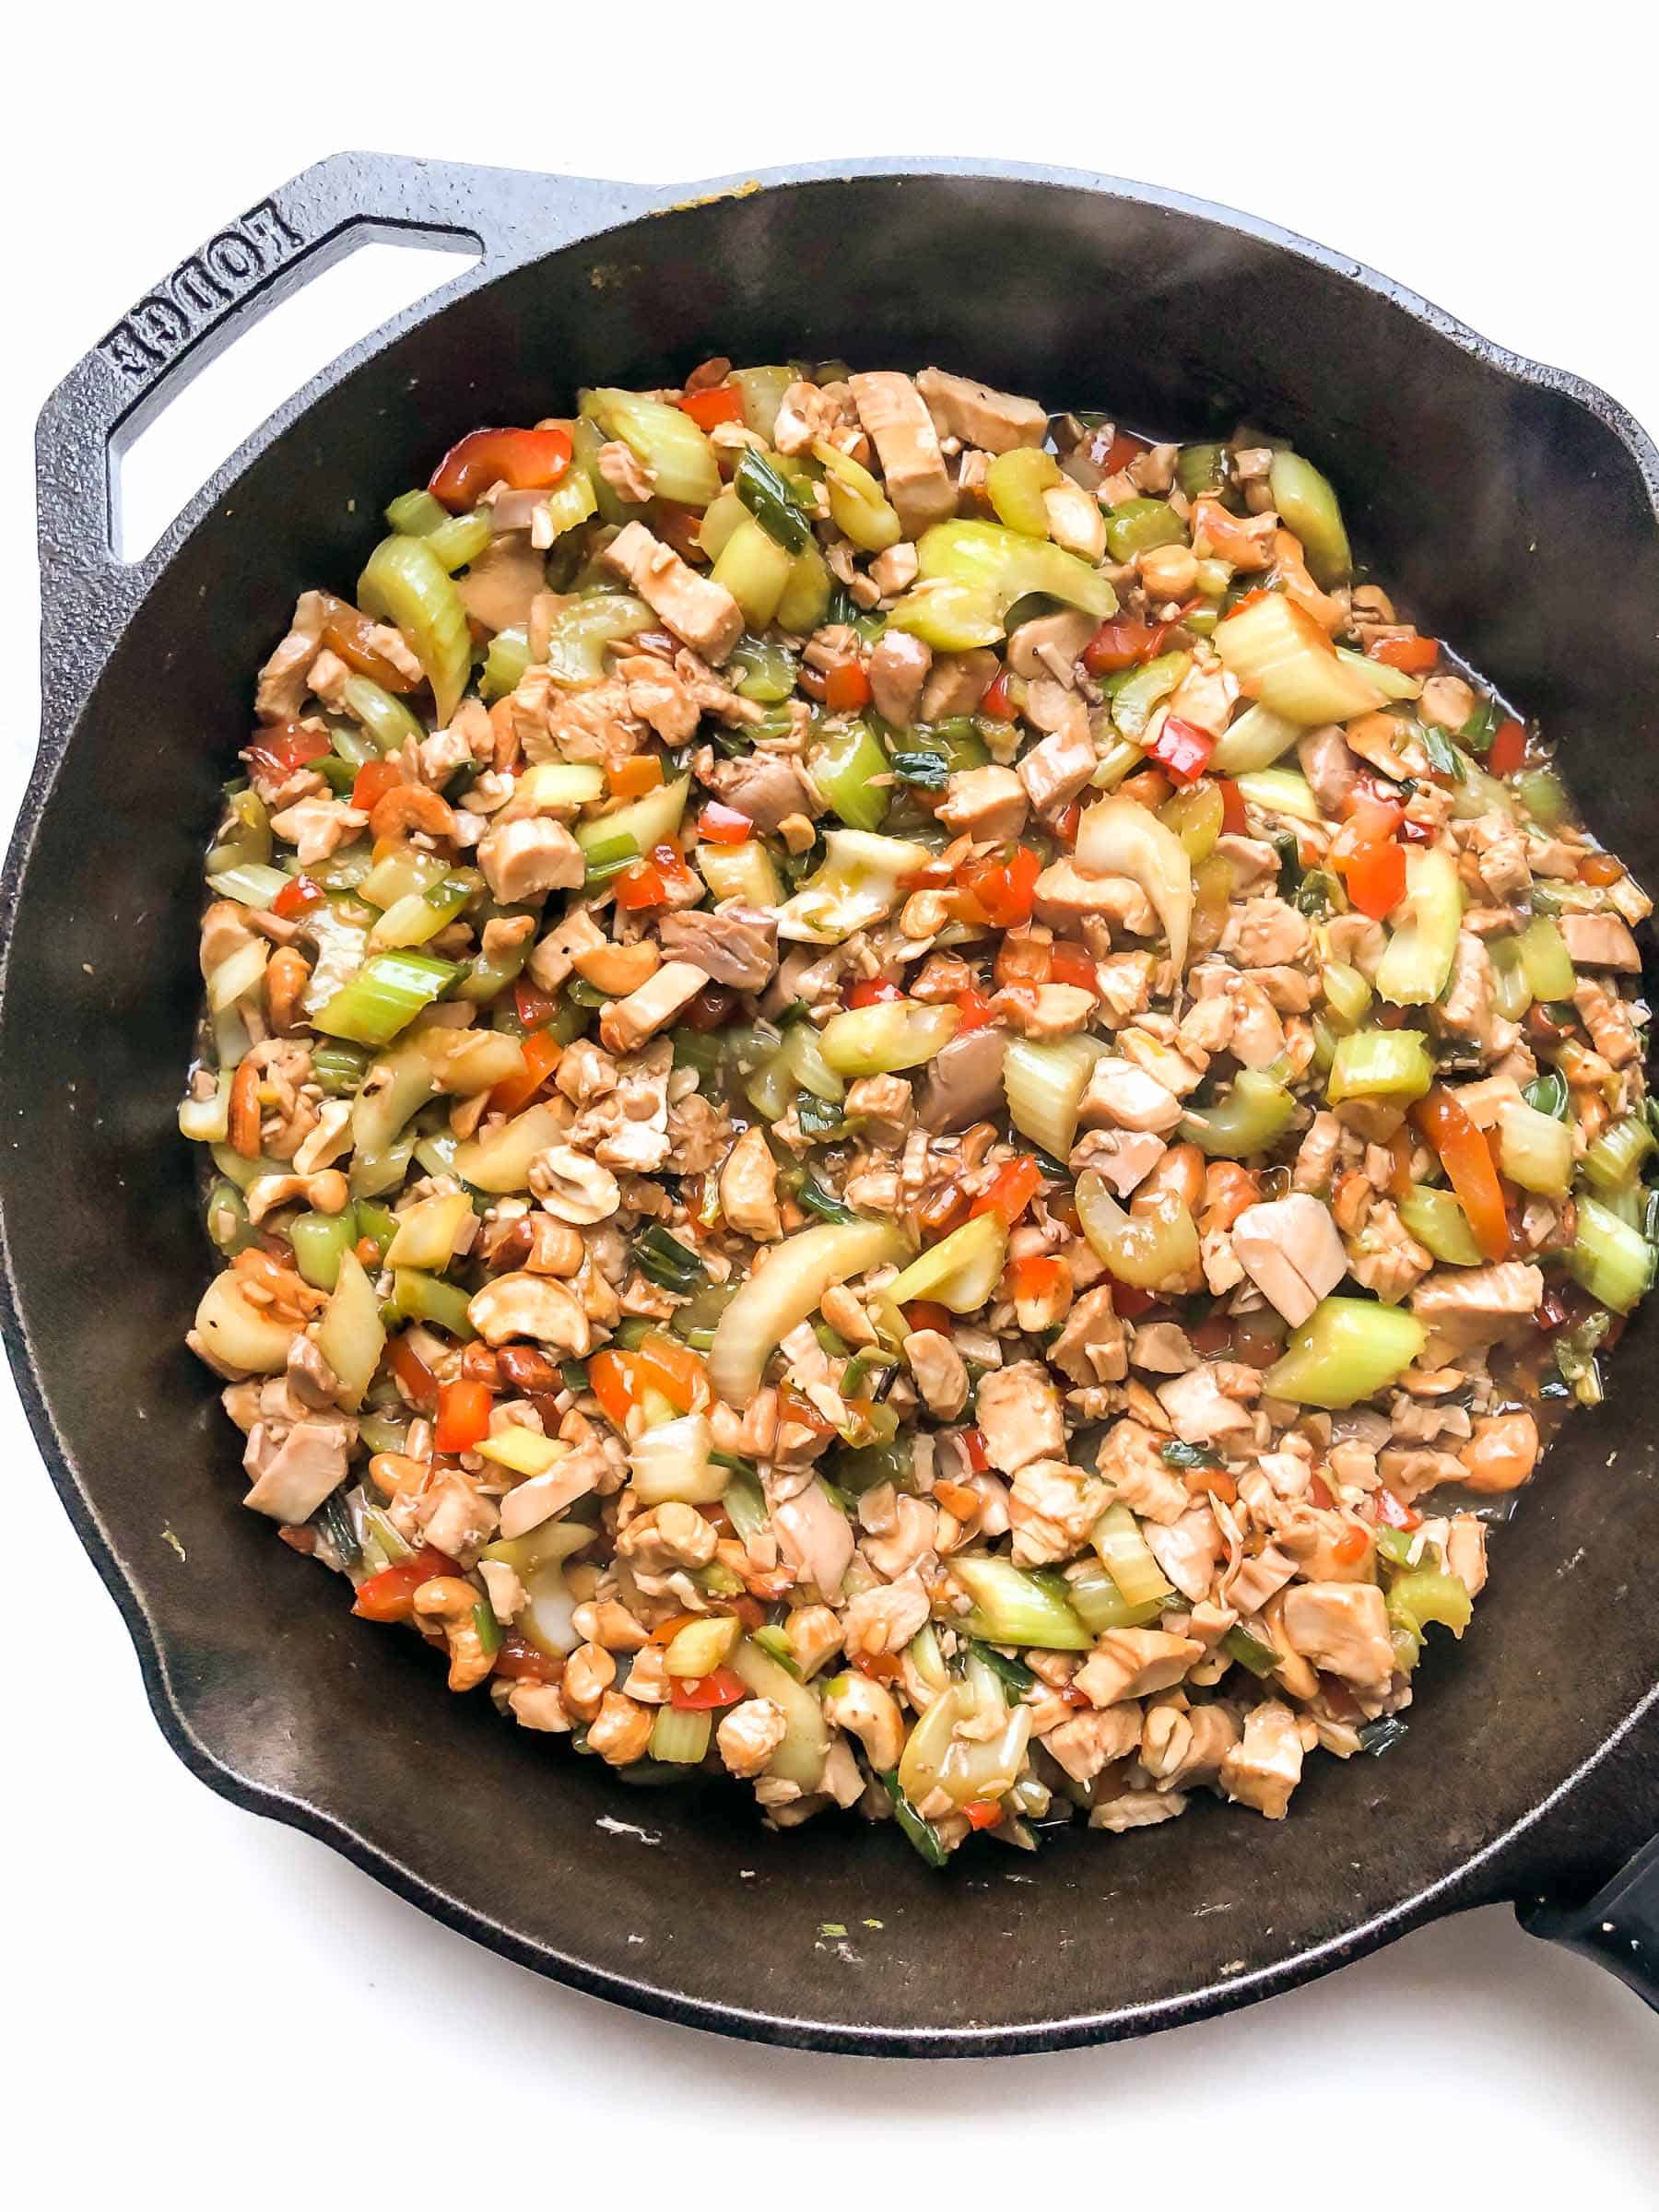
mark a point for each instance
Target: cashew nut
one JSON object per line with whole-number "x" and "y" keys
{"x": 529, "y": 1305}
{"x": 572, "y": 1186}
{"x": 408, "y": 807}
{"x": 451, "y": 1604}
{"x": 589, "y": 1672}
{"x": 622, "y": 1730}
{"x": 870, "y": 1712}
{"x": 326, "y": 1192}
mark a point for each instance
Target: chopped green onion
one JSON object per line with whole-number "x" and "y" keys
{"x": 1380, "y": 1736}
{"x": 1179, "y": 1455}
{"x": 1012, "y": 1673}
{"x": 1477, "y": 733}
{"x": 1548, "y": 1094}
{"x": 771, "y": 499}
{"x": 665, "y": 1261}
{"x": 921, "y": 1833}
{"x": 817, "y": 1200}
{"x": 1252, "y": 1652}
{"x": 1443, "y": 756}
{"x": 927, "y": 771}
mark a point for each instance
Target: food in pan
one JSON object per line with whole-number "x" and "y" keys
{"x": 903, "y": 1103}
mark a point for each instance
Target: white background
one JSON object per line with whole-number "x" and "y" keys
{"x": 204, "y": 1997}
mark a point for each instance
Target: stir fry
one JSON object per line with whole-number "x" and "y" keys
{"x": 904, "y": 1104}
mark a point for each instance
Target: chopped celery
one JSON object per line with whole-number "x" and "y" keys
{"x": 1438, "y": 1222}
{"x": 1014, "y": 1605}
{"x": 755, "y": 568}
{"x": 856, "y": 884}
{"x": 758, "y": 669}
{"x": 350, "y": 1336}
{"x": 1255, "y": 741}
{"x": 1307, "y": 505}
{"x": 385, "y": 994}
{"x": 1536, "y": 1150}
{"x": 1015, "y": 484}
{"x": 416, "y": 515}
{"x": 1609, "y": 1258}
{"x": 882, "y": 1040}
{"x": 421, "y": 1296}
{"x": 1132, "y": 702}
{"x": 1347, "y": 995}
{"x": 570, "y": 502}
{"x": 1281, "y": 656}
{"x": 1045, "y": 1083}
{"x": 421, "y": 914}
{"x": 806, "y": 599}
{"x": 227, "y": 1222}
{"x": 1252, "y": 1118}
{"x": 405, "y": 584}
{"x": 1426, "y": 1593}
{"x": 1139, "y": 524}
{"x": 1541, "y": 793}
{"x": 785, "y": 1292}
{"x": 1418, "y": 963}
{"x": 1198, "y": 817}
{"x": 1547, "y": 963}
{"x": 1200, "y": 468}
{"x": 1381, "y": 1064}
{"x": 504, "y": 663}
{"x": 1150, "y": 1248}
{"x": 245, "y": 834}
{"x": 845, "y": 768}
{"x": 459, "y": 540}
{"x": 1511, "y": 993}
{"x": 1346, "y": 1351}
{"x": 663, "y": 438}
{"x": 1615, "y": 1159}
{"x": 318, "y": 1241}
{"x": 805, "y": 1746}
{"x": 580, "y": 628}
{"x": 744, "y": 871}
{"x": 679, "y": 1739}
{"x": 643, "y": 822}
{"x": 1127, "y": 1557}
{"x": 1279, "y": 791}
{"x": 761, "y": 391}
{"x": 806, "y": 1060}
{"x": 962, "y": 1271}
{"x": 972, "y": 573}
{"x": 703, "y": 1645}
{"x": 1099, "y": 1605}
{"x": 426, "y": 1230}
{"x": 858, "y": 506}
{"x": 251, "y": 884}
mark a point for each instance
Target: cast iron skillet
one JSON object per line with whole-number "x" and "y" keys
{"x": 1514, "y": 508}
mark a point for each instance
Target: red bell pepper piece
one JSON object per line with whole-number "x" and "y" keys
{"x": 927, "y": 1314}
{"x": 983, "y": 1812}
{"x": 846, "y": 687}
{"x": 1119, "y": 644}
{"x": 1411, "y": 656}
{"x": 973, "y": 1444}
{"x": 374, "y": 780}
{"x": 463, "y": 1415}
{"x": 1233, "y": 822}
{"x": 1508, "y": 750}
{"x": 1003, "y": 885}
{"x": 297, "y": 896}
{"x": 281, "y": 747}
{"x": 720, "y": 825}
{"x": 998, "y": 702}
{"x": 640, "y": 886}
{"x": 527, "y": 460}
{"x": 718, "y": 404}
{"x": 703, "y": 1693}
{"x": 1011, "y": 1189}
{"x": 1181, "y": 749}
{"x": 872, "y": 991}
{"x": 534, "y": 1007}
{"x": 1071, "y": 964}
{"x": 539, "y": 1056}
{"x": 974, "y": 1011}
{"x": 416, "y": 1379}
{"x": 1467, "y": 1159}
{"x": 390, "y": 1595}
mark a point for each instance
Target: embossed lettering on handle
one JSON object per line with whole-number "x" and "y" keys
{"x": 234, "y": 261}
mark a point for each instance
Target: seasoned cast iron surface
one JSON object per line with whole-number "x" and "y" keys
{"x": 1511, "y": 509}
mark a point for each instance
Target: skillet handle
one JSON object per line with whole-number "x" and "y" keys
{"x": 507, "y": 216}
{"x": 1618, "y": 1928}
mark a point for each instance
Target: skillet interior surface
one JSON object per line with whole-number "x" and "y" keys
{"x": 1508, "y": 515}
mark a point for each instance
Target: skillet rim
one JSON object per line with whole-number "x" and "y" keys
{"x": 611, "y": 205}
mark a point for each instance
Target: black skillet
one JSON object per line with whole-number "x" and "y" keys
{"x": 1514, "y": 509}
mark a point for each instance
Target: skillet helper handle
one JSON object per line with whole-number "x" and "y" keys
{"x": 1618, "y": 1928}
{"x": 505, "y": 216}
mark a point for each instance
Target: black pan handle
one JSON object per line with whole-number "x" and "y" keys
{"x": 1619, "y": 1927}
{"x": 506, "y": 216}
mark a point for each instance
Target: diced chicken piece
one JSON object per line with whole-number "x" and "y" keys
{"x": 1163, "y": 1347}
{"x": 815, "y": 1537}
{"x": 1263, "y": 1768}
{"x": 1187, "y": 1550}
{"x": 625, "y": 474}
{"x": 941, "y": 1375}
{"x": 897, "y": 671}
{"x": 748, "y": 1188}
{"x": 1056, "y": 770}
{"x": 1500, "y": 851}
{"x": 979, "y": 416}
{"x": 1051, "y": 1010}
{"x": 282, "y": 685}
{"x": 1137, "y": 1808}
{"x": 1133, "y": 1663}
{"x": 1064, "y": 893}
{"x": 964, "y": 1080}
{"x": 736, "y": 945}
{"x": 1331, "y": 770}
{"x": 1205, "y": 1407}
{"x": 1609, "y": 1021}
{"x": 1343, "y": 1628}
{"x": 553, "y": 958}
{"x": 894, "y": 570}
{"x": 913, "y": 466}
{"x": 1321, "y": 1150}
{"x": 626, "y": 1023}
{"x": 1259, "y": 1576}
{"x": 1266, "y": 933}
{"x": 1447, "y": 701}
{"x": 765, "y": 786}
{"x": 1466, "y": 1552}
{"x": 1465, "y": 1306}
{"x": 984, "y": 803}
{"x": 1360, "y": 941}
{"x": 527, "y": 859}
{"x": 290, "y": 1482}
{"x": 1291, "y": 1252}
{"x": 1600, "y": 941}
{"x": 1051, "y": 1507}
{"x": 1089, "y": 1348}
{"x": 958, "y": 681}
{"x": 1131, "y": 1459}
{"x": 1258, "y": 1034}
{"x": 1089, "y": 1742}
{"x": 317, "y": 828}
{"x": 1018, "y": 1412}
{"x": 699, "y": 612}
{"x": 1128, "y": 1098}
{"x": 884, "y": 1620}
{"x": 749, "y": 1734}
{"x": 1468, "y": 1007}
{"x": 1121, "y": 1157}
